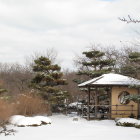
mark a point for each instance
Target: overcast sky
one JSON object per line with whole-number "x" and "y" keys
{"x": 68, "y": 26}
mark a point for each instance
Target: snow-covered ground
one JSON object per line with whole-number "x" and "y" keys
{"x": 64, "y": 128}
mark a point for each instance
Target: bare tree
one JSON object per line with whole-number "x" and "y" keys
{"x": 72, "y": 87}
{"x": 15, "y": 77}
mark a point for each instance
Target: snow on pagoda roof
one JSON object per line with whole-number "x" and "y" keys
{"x": 111, "y": 79}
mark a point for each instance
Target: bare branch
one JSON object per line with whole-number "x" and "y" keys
{"x": 129, "y": 20}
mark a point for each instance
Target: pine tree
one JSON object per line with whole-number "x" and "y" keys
{"x": 47, "y": 80}
{"x": 95, "y": 64}
{"x": 132, "y": 68}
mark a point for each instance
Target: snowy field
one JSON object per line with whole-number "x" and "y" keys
{"x": 64, "y": 128}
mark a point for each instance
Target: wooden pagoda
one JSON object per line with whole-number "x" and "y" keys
{"x": 116, "y": 87}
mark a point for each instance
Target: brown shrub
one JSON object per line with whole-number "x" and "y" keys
{"x": 6, "y": 110}
{"x": 28, "y": 105}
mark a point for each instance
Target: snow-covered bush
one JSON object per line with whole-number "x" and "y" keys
{"x": 127, "y": 122}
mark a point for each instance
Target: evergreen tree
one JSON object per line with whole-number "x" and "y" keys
{"x": 47, "y": 80}
{"x": 95, "y": 64}
{"x": 132, "y": 68}
{"x": 134, "y": 98}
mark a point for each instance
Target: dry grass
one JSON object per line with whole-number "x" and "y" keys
{"x": 28, "y": 105}
{"x": 24, "y": 104}
{"x": 6, "y": 110}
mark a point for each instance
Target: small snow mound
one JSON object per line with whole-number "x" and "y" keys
{"x": 127, "y": 122}
{"x": 14, "y": 119}
{"x": 23, "y": 121}
{"x": 28, "y": 121}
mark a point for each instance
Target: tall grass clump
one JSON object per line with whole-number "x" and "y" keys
{"x": 29, "y": 105}
{"x": 6, "y": 110}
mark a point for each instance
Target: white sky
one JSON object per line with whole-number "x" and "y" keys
{"x": 68, "y": 26}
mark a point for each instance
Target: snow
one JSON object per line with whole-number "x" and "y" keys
{"x": 138, "y": 123}
{"x": 64, "y": 128}
{"x": 111, "y": 79}
{"x": 15, "y": 119}
{"x": 43, "y": 119}
{"x": 75, "y": 104}
{"x": 90, "y": 81}
{"x": 19, "y": 120}
{"x": 128, "y": 120}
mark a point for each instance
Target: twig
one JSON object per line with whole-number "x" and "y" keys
{"x": 129, "y": 20}
{"x": 5, "y": 131}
